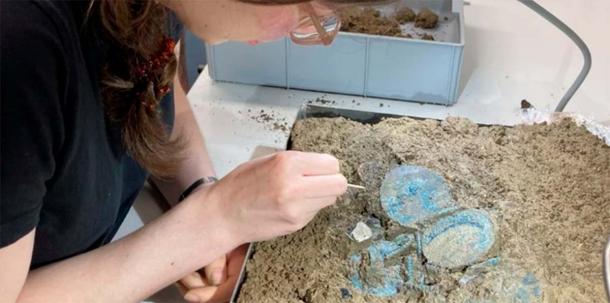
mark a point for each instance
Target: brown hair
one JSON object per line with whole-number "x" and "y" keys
{"x": 137, "y": 28}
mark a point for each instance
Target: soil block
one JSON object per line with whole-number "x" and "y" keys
{"x": 454, "y": 212}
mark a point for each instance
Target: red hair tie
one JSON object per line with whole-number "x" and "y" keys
{"x": 144, "y": 71}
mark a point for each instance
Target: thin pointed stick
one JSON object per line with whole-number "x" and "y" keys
{"x": 355, "y": 186}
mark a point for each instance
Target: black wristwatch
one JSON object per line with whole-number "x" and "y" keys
{"x": 197, "y": 183}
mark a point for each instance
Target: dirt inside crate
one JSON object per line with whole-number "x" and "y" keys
{"x": 372, "y": 21}
{"x": 544, "y": 187}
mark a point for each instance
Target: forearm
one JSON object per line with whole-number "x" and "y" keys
{"x": 196, "y": 163}
{"x": 137, "y": 266}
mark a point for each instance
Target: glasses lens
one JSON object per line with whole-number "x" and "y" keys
{"x": 308, "y": 33}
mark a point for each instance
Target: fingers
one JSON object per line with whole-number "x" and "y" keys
{"x": 181, "y": 288}
{"x": 212, "y": 294}
{"x": 222, "y": 292}
{"x": 324, "y": 186}
{"x": 319, "y": 174}
{"x": 315, "y": 205}
{"x": 193, "y": 280}
{"x": 319, "y": 203}
{"x": 215, "y": 272}
{"x": 201, "y": 295}
{"x": 312, "y": 164}
{"x": 276, "y": 195}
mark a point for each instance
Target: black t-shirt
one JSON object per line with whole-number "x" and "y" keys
{"x": 63, "y": 167}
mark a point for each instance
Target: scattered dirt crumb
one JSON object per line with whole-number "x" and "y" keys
{"x": 427, "y": 37}
{"x": 322, "y": 100}
{"x": 271, "y": 120}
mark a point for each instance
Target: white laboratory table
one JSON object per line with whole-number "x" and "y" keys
{"x": 511, "y": 54}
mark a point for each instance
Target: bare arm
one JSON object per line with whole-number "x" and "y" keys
{"x": 197, "y": 163}
{"x": 135, "y": 267}
{"x": 15, "y": 260}
{"x": 259, "y": 200}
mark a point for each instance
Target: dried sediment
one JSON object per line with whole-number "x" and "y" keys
{"x": 545, "y": 185}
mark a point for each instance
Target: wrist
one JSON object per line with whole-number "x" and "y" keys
{"x": 207, "y": 202}
{"x": 195, "y": 185}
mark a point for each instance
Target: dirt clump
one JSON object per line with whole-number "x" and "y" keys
{"x": 404, "y": 15}
{"x": 545, "y": 185}
{"x": 369, "y": 21}
{"x": 426, "y": 19}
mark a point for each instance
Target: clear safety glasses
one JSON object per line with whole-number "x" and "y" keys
{"x": 315, "y": 27}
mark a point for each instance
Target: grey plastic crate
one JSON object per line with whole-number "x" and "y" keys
{"x": 358, "y": 64}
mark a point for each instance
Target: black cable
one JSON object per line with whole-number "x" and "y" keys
{"x": 576, "y": 39}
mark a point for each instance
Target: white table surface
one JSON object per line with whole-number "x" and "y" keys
{"x": 511, "y": 54}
